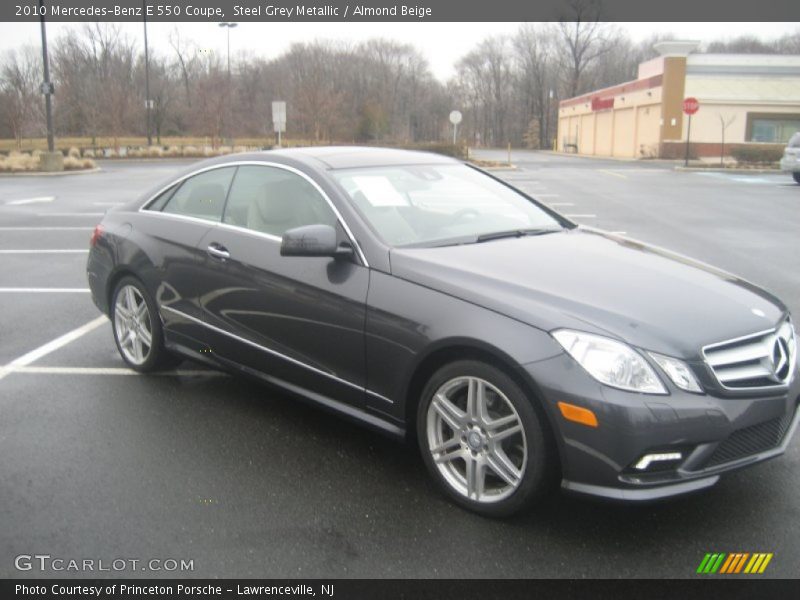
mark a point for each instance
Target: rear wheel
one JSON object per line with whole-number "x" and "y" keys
{"x": 482, "y": 439}
{"x": 796, "y": 176}
{"x": 137, "y": 328}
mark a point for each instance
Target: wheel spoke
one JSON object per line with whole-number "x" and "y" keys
{"x": 141, "y": 311}
{"x": 137, "y": 349}
{"x": 122, "y": 310}
{"x": 450, "y": 413}
{"x": 476, "y": 400}
{"x": 125, "y": 339}
{"x": 449, "y": 456}
{"x": 499, "y": 462}
{"x": 499, "y": 434}
{"x": 476, "y": 477}
{"x": 130, "y": 299}
{"x": 447, "y": 445}
{"x": 145, "y": 336}
{"x": 497, "y": 425}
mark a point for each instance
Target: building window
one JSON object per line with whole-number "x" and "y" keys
{"x": 772, "y": 128}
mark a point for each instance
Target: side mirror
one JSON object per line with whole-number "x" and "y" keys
{"x": 313, "y": 240}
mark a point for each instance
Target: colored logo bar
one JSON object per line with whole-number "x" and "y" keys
{"x": 735, "y": 562}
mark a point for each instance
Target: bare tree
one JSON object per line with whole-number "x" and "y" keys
{"x": 584, "y": 40}
{"x": 19, "y": 80}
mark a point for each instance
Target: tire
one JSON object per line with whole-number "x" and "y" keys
{"x": 134, "y": 321}
{"x": 506, "y": 445}
{"x": 796, "y": 176}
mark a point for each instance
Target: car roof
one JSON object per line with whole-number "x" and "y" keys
{"x": 313, "y": 157}
{"x": 349, "y": 157}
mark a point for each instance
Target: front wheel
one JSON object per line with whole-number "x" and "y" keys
{"x": 482, "y": 439}
{"x": 796, "y": 176}
{"x": 137, "y": 328}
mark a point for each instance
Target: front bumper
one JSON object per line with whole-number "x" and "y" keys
{"x": 790, "y": 163}
{"x": 715, "y": 434}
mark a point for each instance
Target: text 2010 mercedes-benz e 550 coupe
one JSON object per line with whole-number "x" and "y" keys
{"x": 426, "y": 298}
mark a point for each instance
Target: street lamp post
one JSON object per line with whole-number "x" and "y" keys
{"x": 47, "y": 86}
{"x": 228, "y": 26}
{"x": 146, "y": 79}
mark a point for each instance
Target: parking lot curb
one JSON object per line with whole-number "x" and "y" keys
{"x": 721, "y": 170}
{"x": 51, "y": 174}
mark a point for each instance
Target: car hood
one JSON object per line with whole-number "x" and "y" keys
{"x": 597, "y": 282}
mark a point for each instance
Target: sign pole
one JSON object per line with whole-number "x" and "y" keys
{"x": 690, "y": 106}
{"x": 455, "y": 119}
{"x": 688, "y": 136}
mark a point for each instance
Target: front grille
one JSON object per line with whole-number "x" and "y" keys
{"x": 751, "y": 440}
{"x": 763, "y": 359}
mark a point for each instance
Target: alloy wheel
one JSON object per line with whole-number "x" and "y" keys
{"x": 132, "y": 325}
{"x": 476, "y": 439}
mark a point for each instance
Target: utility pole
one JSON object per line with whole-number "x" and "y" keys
{"x": 47, "y": 86}
{"x": 147, "y": 100}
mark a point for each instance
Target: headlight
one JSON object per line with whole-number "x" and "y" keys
{"x": 678, "y": 371}
{"x": 610, "y": 362}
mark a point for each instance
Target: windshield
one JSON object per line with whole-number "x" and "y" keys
{"x": 430, "y": 205}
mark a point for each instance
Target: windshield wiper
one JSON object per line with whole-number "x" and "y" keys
{"x": 497, "y": 235}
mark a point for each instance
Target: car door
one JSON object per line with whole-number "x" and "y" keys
{"x": 298, "y": 320}
{"x": 170, "y": 229}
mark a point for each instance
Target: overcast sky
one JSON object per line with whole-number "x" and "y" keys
{"x": 441, "y": 43}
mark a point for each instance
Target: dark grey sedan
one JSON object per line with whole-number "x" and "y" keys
{"x": 425, "y": 298}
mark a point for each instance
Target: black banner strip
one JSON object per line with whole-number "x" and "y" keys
{"x": 388, "y": 11}
{"x": 731, "y": 588}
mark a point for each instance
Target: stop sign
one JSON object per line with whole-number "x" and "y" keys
{"x": 690, "y": 105}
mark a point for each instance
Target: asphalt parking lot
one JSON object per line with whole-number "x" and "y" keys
{"x": 99, "y": 463}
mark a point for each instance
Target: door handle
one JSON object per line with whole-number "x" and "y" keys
{"x": 218, "y": 251}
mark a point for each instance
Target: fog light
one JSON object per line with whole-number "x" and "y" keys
{"x": 645, "y": 461}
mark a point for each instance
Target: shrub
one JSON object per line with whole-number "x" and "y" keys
{"x": 75, "y": 163}
{"x": 18, "y": 161}
{"x": 757, "y": 154}
{"x": 74, "y": 152}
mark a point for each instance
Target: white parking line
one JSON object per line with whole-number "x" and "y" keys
{"x": 53, "y": 251}
{"x": 45, "y": 290}
{"x": 52, "y": 346}
{"x": 25, "y": 228}
{"x": 607, "y": 172}
{"x": 30, "y": 201}
{"x": 111, "y": 371}
{"x": 560, "y": 204}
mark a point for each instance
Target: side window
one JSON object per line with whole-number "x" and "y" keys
{"x": 272, "y": 200}
{"x": 202, "y": 196}
{"x": 160, "y": 200}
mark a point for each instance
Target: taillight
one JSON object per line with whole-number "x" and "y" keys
{"x": 96, "y": 235}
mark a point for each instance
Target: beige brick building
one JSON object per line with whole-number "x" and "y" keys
{"x": 755, "y": 97}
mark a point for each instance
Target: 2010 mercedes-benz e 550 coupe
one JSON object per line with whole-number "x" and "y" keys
{"x": 425, "y": 298}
